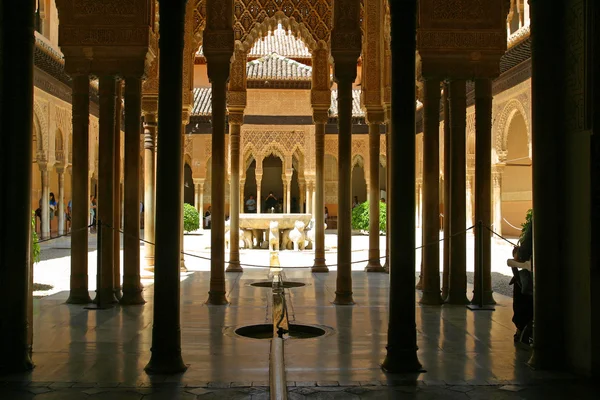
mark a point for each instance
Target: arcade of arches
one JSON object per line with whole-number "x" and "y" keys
{"x": 297, "y": 98}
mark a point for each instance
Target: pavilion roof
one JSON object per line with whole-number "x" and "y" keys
{"x": 277, "y": 67}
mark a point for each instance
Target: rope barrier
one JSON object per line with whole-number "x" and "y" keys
{"x": 64, "y": 235}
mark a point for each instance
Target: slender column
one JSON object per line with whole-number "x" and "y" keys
{"x": 419, "y": 207}
{"x": 497, "y": 173}
{"x": 241, "y": 197}
{"x": 197, "y": 196}
{"x": 375, "y": 118}
{"x": 132, "y": 287}
{"x": 284, "y": 202}
{"x": 16, "y": 125}
{"x": 234, "y": 192}
{"x": 320, "y": 118}
{"x": 45, "y": 203}
{"x": 106, "y": 205}
{"x": 116, "y": 223}
{"x": 470, "y": 182}
{"x": 309, "y": 198}
{"x": 201, "y": 205}
{"x": 345, "y": 75}
{"x": 182, "y": 267}
{"x": 431, "y": 195}
{"x": 447, "y": 199}
{"x": 166, "y": 333}
{"x": 388, "y": 183}
{"x": 259, "y": 199}
{"x": 218, "y": 72}
{"x": 288, "y": 192}
{"x": 483, "y": 187}
{"x": 60, "y": 200}
{"x": 402, "y": 333}
{"x": 149, "y": 190}
{"x": 457, "y": 239}
{"x": 81, "y": 203}
{"x": 302, "y": 195}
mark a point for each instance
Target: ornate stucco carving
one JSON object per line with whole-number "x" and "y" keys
{"x": 372, "y": 53}
{"x": 512, "y": 107}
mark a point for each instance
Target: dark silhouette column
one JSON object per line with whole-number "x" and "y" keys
{"x": 402, "y": 333}
{"x": 116, "y": 222}
{"x": 132, "y": 287}
{"x": 60, "y": 210}
{"x": 458, "y": 202}
{"x": 388, "y": 183}
{"x": 81, "y": 203}
{"x": 106, "y": 205}
{"x": 483, "y": 187}
{"x": 447, "y": 184}
{"x": 235, "y": 124}
{"x": 166, "y": 332}
{"x": 431, "y": 193}
{"x": 375, "y": 119}
{"x": 16, "y": 125}
{"x": 320, "y": 118}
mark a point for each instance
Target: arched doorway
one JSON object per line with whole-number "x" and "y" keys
{"x": 188, "y": 185}
{"x": 250, "y": 183}
{"x": 272, "y": 180}
{"x": 359, "y": 184}
{"x": 516, "y": 181}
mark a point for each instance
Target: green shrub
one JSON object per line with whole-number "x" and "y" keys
{"x": 526, "y": 226}
{"x": 35, "y": 246}
{"x": 191, "y": 220}
{"x": 360, "y": 217}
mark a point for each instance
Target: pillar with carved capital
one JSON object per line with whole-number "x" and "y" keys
{"x": 16, "y": 125}
{"x": 457, "y": 238}
{"x": 431, "y": 195}
{"x": 106, "y": 187}
{"x": 497, "y": 173}
{"x": 345, "y": 49}
{"x": 149, "y": 187}
{"x": 259, "y": 200}
{"x": 132, "y": 287}
{"x": 218, "y": 49}
{"x": 60, "y": 199}
{"x": 45, "y": 202}
{"x": 235, "y": 124}
{"x": 402, "y": 333}
{"x": 375, "y": 119}
{"x": 483, "y": 194}
{"x": 80, "y": 201}
{"x": 166, "y": 334}
{"x": 116, "y": 222}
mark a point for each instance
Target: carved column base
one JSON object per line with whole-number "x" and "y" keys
{"x": 217, "y": 298}
{"x": 165, "y": 363}
{"x": 106, "y": 295}
{"x": 401, "y": 361}
{"x": 343, "y": 299}
{"x": 79, "y": 296}
{"x": 457, "y": 298}
{"x": 488, "y": 298}
{"x": 374, "y": 266}
{"x": 431, "y": 298}
{"x": 234, "y": 266}
{"x": 132, "y": 295}
{"x": 319, "y": 266}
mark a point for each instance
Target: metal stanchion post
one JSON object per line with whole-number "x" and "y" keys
{"x": 479, "y": 268}
{"x": 98, "y": 300}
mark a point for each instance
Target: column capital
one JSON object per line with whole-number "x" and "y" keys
{"x": 149, "y": 106}
{"x": 320, "y": 116}
{"x": 375, "y": 115}
{"x": 320, "y": 99}
{"x": 236, "y": 117}
{"x": 198, "y": 181}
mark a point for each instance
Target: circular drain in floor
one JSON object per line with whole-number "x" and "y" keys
{"x": 265, "y": 331}
{"x": 286, "y": 285}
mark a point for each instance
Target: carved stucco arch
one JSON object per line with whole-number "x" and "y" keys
{"x": 298, "y": 153}
{"x": 359, "y": 160}
{"x": 59, "y": 147}
{"x": 37, "y": 136}
{"x": 42, "y": 121}
{"x": 187, "y": 159}
{"x": 507, "y": 115}
{"x": 276, "y": 150}
{"x": 247, "y": 158}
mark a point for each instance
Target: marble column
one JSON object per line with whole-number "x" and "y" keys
{"x": 483, "y": 190}
{"x": 149, "y": 188}
{"x": 60, "y": 199}
{"x": 345, "y": 74}
{"x": 309, "y": 198}
{"x": 16, "y": 125}
{"x": 132, "y": 286}
{"x": 458, "y": 239}
{"x": 447, "y": 199}
{"x": 81, "y": 203}
{"x": 201, "y": 203}
{"x": 197, "y": 196}
{"x": 259, "y": 200}
{"x": 402, "y": 333}
{"x": 235, "y": 125}
{"x": 45, "y": 203}
{"x": 241, "y": 197}
{"x": 320, "y": 118}
{"x": 218, "y": 75}
{"x": 497, "y": 173}
{"x": 116, "y": 223}
{"x": 106, "y": 188}
{"x": 302, "y": 195}
{"x": 166, "y": 334}
{"x": 288, "y": 192}
{"x": 470, "y": 184}
{"x": 431, "y": 195}
{"x": 375, "y": 118}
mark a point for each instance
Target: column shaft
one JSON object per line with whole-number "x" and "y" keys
{"x": 166, "y": 333}
{"x": 216, "y": 295}
{"x": 149, "y": 189}
{"x": 201, "y": 210}
{"x": 447, "y": 200}
{"x": 117, "y": 194}
{"x": 343, "y": 293}
{"x": 16, "y": 126}
{"x": 431, "y": 195}
{"x": 374, "y": 264}
{"x": 497, "y": 199}
{"x": 483, "y": 189}
{"x": 197, "y": 197}
{"x": 106, "y": 205}
{"x": 259, "y": 199}
{"x": 81, "y": 203}
{"x": 388, "y": 183}
{"x": 457, "y": 238}
{"x": 234, "y": 195}
{"x": 402, "y": 333}
{"x": 132, "y": 287}
{"x": 288, "y": 194}
{"x": 319, "y": 198}
{"x": 61, "y": 203}
{"x": 45, "y": 204}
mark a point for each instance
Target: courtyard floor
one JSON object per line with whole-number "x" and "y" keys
{"x": 83, "y": 354}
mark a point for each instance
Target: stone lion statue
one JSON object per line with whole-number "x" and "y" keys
{"x": 274, "y": 236}
{"x": 242, "y": 237}
{"x": 311, "y": 233}
{"x": 297, "y": 235}
{"x": 248, "y": 238}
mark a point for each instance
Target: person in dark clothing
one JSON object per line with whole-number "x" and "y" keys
{"x": 270, "y": 202}
{"x": 522, "y": 282}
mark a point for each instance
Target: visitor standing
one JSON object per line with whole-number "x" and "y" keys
{"x": 93, "y": 214}
{"x": 207, "y": 218}
{"x": 355, "y": 203}
{"x": 251, "y": 204}
{"x": 271, "y": 202}
{"x": 53, "y": 207}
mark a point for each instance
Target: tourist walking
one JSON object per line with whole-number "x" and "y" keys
{"x": 93, "y": 209}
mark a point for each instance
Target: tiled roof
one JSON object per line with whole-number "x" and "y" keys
{"x": 279, "y": 41}
{"x": 277, "y": 67}
{"x": 356, "y": 109}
